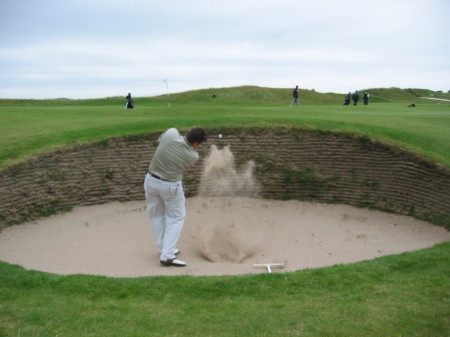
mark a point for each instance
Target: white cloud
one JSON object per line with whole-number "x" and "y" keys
{"x": 108, "y": 47}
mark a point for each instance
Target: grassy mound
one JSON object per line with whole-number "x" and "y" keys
{"x": 245, "y": 94}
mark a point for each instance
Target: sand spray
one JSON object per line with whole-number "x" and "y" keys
{"x": 221, "y": 178}
{"x": 223, "y": 236}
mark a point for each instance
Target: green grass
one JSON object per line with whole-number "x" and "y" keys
{"x": 28, "y": 129}
{"x": 402, "y": 295}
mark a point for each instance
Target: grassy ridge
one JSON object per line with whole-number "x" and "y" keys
{"x": 272, "y": 95}
{"x": 249, "y": 94}
{"x": 393, "y": 95}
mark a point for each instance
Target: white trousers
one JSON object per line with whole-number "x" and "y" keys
{"x": 166, "y": 208}
{"x": 295, "y": 101}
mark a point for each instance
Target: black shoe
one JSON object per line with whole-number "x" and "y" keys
{"x": 173, "y": 262}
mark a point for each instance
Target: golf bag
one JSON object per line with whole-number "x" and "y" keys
{"x": 346, "y": 100}
{"x": 129, "y": 104}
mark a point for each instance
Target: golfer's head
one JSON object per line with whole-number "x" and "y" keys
{"x": 196, "y": 137}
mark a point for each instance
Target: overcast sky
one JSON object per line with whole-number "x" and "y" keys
{"x": 101, "y": 48}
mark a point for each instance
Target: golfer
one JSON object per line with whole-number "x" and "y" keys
{"x": 164, "y": 194}
{"x": 295, "y": 99}
{"x": 366, "y": 98}
{"x": 129, "y": 104}
{"x": 355, "y": 97}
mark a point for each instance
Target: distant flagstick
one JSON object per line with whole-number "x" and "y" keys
{"x": 168, "y": 97}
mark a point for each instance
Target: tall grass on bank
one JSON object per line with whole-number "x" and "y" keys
{"x": 403, "y": 295}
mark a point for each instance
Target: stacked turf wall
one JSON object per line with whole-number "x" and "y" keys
{"x": 290, "y": 164}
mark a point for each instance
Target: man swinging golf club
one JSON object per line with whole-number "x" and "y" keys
{"x": 164, "y": 194}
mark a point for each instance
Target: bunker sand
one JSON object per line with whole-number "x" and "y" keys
{"x": 221, "y": 236}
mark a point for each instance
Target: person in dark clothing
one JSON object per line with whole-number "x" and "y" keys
{"x": 366, "y": 98}
{"x": 129, "y": 104}
{"x": 295, "y": 99}
{"x": 347, "y": 98}
{"x": 355, "y": 97}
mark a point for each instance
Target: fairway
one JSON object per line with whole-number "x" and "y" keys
{"x": 26, "y": 130}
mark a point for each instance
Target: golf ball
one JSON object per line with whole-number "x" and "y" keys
{"x": 220, "y": 135}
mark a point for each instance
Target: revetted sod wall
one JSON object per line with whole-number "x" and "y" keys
{"x": 290, "y": 164}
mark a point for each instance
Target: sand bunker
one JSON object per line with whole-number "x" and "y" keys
{"x": 221, "y": 236}
{"x": 227, "y": 230}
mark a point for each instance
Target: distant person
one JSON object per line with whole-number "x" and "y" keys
{"x": 366, "y": 98}
{"x": 355, "y": 97}
{"x": 129, "y": 104}
{"x": 347, "y": 98}
{"x": 164, "y": 192}
{"x": 295, "y": 99}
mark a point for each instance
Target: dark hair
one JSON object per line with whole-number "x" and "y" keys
{"x": 196, "y": 135}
